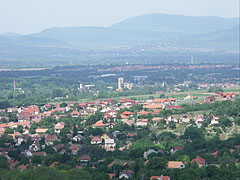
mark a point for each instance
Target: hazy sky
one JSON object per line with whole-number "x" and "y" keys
{"x": 29, "y": 16}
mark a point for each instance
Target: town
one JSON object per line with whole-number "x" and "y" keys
{"x": 154, "y": 138}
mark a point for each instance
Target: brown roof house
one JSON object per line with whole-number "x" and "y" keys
{"x": 50, "y": 139}
{"x": 84, "y": 159}
{"x": 176, "y": 164}
{"x": 96, "y": 140}
{"x": 74, "y": 149}
{"x": 59, "y": 126}
{"x": 200, "y": 161}
{"x": 160, "y": 177}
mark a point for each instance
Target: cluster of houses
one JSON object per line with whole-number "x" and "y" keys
{"x": 112, "y": 112}
{"x": 220, "y": 96}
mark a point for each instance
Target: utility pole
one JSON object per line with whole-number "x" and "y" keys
{"x": 14, "y": 85}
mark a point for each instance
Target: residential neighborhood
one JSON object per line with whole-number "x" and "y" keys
{"x": 113, "y": 128}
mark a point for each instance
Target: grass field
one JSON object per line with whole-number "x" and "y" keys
{"x": 200, "y": 94}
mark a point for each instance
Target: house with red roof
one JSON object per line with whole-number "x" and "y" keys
{"x": 99, "y": 124}
{"x": 190, "y": 97}
{"x": 175, "y": 164}
{"x": 160, "y": 177}
{"x": 74, "y": 149}
{"x": 153, "y": 106}
{"x": 50, "y": 139}
{"x": 215, "y": 153}
{"x": 175, "y": 107}
{"x": 96, "y": 140}
{"x": 126, "y": 115}
{"x": 142, "y": 122}
{"x": 41, "y": 130}
{"x": 53, "y": 164}
{"x": 59, "y": 126}
{"x": 75, "y": 114}
{"x": 131, "y": 134}
{"x": 200, "y": 161}
{"x": 84, "y": 159}
{"x": 176, "y": 149}
{"x": 141, "y": 113}
{"x": 111, "y": 176}
{"x": 157, "y": 119}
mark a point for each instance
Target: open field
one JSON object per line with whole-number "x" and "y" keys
{"x": 200, "y": 94}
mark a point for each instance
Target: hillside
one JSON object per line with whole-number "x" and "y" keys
{"x": 163, "y": 33}
{"x": 176, "y": 23}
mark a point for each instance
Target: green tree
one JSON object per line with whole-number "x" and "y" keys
{"x": 8, "y": 131}
{"x": 3, "y": 163}
{"x": 157, "y": 163}
{"x": 20, "y": 128}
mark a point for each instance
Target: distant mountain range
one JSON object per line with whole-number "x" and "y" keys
{"x": 170, "y": 31}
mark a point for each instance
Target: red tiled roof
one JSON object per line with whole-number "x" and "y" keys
{"x": 111, "y": 175}
{"x": 84, "y": 158}
{"x": 131, "y": 134}
{"x": 127, "y": 113}
{"x": 175, "y": 107}
{"x": 51, "y": 137}
{"x": 53, "y": 164}
{"x": 198, "y": 160}
{"x": 96, "y": 138}
{"x": 160, "y": 177}
{"x": 99, "y": 124}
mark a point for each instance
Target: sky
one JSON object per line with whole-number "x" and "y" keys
{"x": 31, "y": 16}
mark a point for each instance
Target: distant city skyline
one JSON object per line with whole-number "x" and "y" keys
{"x": 27, "y": 16}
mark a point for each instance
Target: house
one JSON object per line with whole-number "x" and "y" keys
{"x": 176, "y": 149}
{"x": 125, "y": 174}
{"x": 142, "y": 122}
{"x": 96, "y": 140}
{"x": 141, "y": 113}
{"x": 22, "y": 138}
{"x": 128, "y": 122}
{"x": 200, "y": 161}
{"x": 39, "y": 153}
{"x": 215, "y": 153}
{"x": 107, "y": 136}
{"x": 214, "y": 120}
{"x": 99, "y": 124}
{"x": 58, "y": 147}
{"x": 126, "y": 115}
{"x": 111, "y": 175}
{"x": 59, "y": 126}
{"x": 41, "y": 130}
{"x": 199, "y": 120}
{"x": 160, "y": 177}
{"x": 24, "y": 116}
{"x": 184, "y": 119}
{"x": 53, "y": 164}
{"x": 50, "y": 139}
{"x": 156, "y": 119}
{"x": 109, "y": 144}
{"x": 175, "y": 107}
{"x": 75, "y": 114}
{"x": 131, "y": 135}
{"x": 35, "y": 147}
{"x": 153, "y": 106}
{"x": 78, "y": 138}
{"x": 209, "y": 99}
{"x": 175, "y": 164}
{"x": 171, "y": 119}
{"x": 189, "y": 97}
{"x": 74, "y": 149}
{"x": 84, "y": 159}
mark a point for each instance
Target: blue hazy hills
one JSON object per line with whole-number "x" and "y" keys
{"x": 150, "y": 29}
